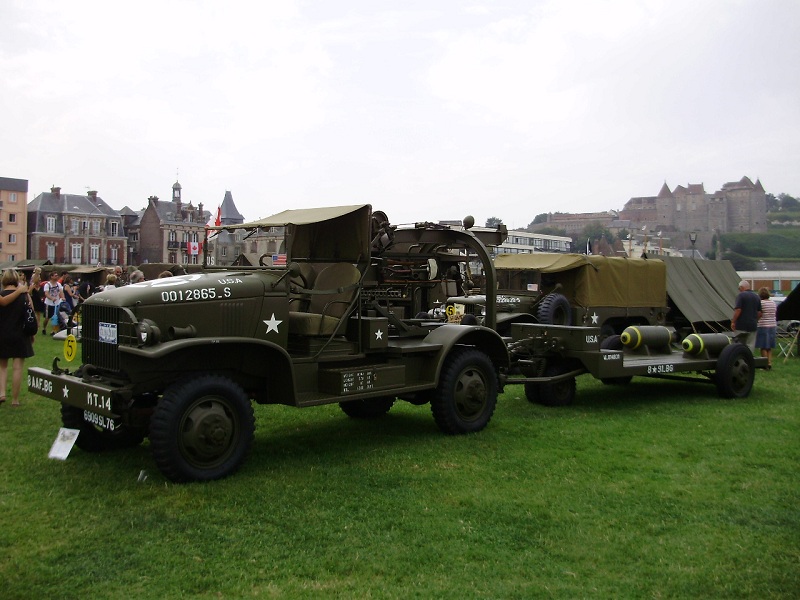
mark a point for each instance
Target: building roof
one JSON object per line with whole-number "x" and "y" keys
{"x": 13, "y": 185}
{"x": 229, "y": 215}
{"x": 70, "y": 204}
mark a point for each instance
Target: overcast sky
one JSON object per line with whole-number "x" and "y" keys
{"x": 427, "y": 110}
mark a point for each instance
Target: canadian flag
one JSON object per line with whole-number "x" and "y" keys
{"x": 193, "y": 247}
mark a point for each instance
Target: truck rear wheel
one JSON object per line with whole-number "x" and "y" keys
{"x": 554, "y": 309}
{"x": 202, "y": 429}
{"x": 94, "y": 439}
{"x": 559, "y": 393}
{"x": 371, "y": 408}
{"x": 735, "y": 371}
{"x": 466, "y": 396}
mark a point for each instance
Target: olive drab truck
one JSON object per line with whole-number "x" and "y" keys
{"x": 181, "y": 360}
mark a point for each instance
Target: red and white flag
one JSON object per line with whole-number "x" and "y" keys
{"x": 193, "y": 247}
{"x": 215, "y": 220}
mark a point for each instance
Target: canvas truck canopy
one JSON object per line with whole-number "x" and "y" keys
{"x": 334, "y": 233}
{"x": 597, "y": 280}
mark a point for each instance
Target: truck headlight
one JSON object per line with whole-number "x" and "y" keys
{"x": 148, "y": 332}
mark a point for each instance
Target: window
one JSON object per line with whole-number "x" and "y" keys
{"x": 114, "y": 228}
{"x": 194, "y": 237}
{"x": 185, "y": 236}
{"x": 85, "y": 225}
{"x": 172, "y": 236}
{"x": 12, "y": 197}
{"x": 76, "y": 253}
{"x": 94, "y": 254}
{"x": 51, "y": 252}
{"x": 51, "y": 223}
{"x": 95, "y": 227}
{"x": 114, "y": 255}
{"x": 224, "y": 251}
{"x": 12, "y": 238}
{"x": 12, "y": 257}
{"x": 12, "y": 217}
{"x": 75, "y": 225}
{"x": 134, "y": 236}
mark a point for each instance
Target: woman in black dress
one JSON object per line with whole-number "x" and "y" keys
{"x": 14, "y": 344}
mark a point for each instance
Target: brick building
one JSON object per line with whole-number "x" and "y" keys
{"x": 75, "y": 229}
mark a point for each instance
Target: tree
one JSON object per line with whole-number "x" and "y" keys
{"x": 773, "y": 204}
{"x": 553, "y": 231}
{"x": 788, "y": 203}
{"x": 739, "y": 262}
{"x": 493, "y": 222}
{"x": 540, "y": 218}
{"x": 596, "y": 231}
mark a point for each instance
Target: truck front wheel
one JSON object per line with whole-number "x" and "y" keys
{"x": 466, "y": 396}
{"x": 202, "y": 429}
{"x": 94, "y": 439}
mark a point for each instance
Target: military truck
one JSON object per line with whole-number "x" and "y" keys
{"x": 180, "y": 360}
{"x": 565, "y": 289}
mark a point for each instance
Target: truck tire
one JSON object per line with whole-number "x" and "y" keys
{"x": 95, "y": 439}
{"x": 554, "y": 309}
{"x": 735, "y": 371}
{"x": 466, "y": 396}
{"x": 202, "y": 429}
{"x": 559, "y": 393}
{"x": 372, "y": 408}
{"x": 614, "y": 342}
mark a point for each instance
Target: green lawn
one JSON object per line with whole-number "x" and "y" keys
{"x": 652, "y": 490}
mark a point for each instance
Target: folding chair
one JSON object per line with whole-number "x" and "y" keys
{"x": 787, "y": 343}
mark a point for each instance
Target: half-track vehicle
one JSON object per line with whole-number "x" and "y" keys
{"x": 180, "y": 360}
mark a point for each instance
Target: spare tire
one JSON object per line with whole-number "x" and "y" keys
{"x": 554, "y": 310}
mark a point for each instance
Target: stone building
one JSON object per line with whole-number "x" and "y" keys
{"x": 75, "y": 229}
{"x": 166, "y": 231}
{"x": 739, "y": 207}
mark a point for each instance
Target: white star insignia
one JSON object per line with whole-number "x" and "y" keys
{"x": 378, "y": 335}
{"x": 594, "y": 319}
{"x": 272, "y": 324}
{"x": 65, "y": 392}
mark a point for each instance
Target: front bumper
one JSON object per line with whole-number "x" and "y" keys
{"x": 94, "y": 396}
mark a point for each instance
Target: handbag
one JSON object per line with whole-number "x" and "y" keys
{"x": 30, "y": 325}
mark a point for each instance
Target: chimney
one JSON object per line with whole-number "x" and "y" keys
{"x": 153, "y": 200}
{"x": 56, "y": 191}
{"x": 93, "y": 196}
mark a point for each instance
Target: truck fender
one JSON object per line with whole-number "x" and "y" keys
{"x": 484, "y": 339}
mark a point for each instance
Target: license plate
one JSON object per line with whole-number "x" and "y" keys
{"x": 100, "y": 421}
{"x": 108, "y": 333}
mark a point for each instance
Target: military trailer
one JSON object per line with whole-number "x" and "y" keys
{"x": 573, "y": 289}
{"x": 550, "y": 357}
{"x": 180, "y": 360}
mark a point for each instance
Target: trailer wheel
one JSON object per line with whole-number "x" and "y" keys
{"x": 554, "y": 309}
{"x": 95, "y": 439}
{"x": 371, "y": 408}
{"x": 614, "y": 342}
{"x": 466, "y": 396}
{"x": 735, "y": 371}
{"x": 202, "y": 429}
{"x": 559, "y": 393}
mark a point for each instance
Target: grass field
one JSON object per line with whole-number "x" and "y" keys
{"x": 652, "y": 490}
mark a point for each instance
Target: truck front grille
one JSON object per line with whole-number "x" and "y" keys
{"x": 104, "y": 353}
